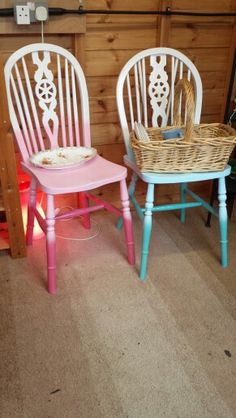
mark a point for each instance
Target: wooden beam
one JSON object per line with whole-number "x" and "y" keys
{"x": 8, "y": 177}
{"x": 164, "y": 23}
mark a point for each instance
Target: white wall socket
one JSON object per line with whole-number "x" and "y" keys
{"x": 27, "y": 12}
{"x": 22, "y": 14}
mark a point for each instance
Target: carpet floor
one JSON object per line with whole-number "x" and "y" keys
{"x": 110, "y": 346}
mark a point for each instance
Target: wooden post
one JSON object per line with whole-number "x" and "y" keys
{"x": 79, "y": 49}
{"x": 164, "y": 23}
{"x": 8, "y": 177}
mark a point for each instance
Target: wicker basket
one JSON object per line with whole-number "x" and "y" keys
{"x": 204, "y": 147}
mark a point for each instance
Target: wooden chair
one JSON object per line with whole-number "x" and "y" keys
{"x": 145, "y": 93}
{"x": 46, "y": 92}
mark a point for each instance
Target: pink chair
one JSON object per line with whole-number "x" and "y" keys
{"x": 49, "y": 108}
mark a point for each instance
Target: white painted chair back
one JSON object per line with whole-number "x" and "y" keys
{"x": 146, "y": 89}
{"x": 46, "y": 91}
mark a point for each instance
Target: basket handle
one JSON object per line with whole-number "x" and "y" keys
{"x": 185, "y": 87}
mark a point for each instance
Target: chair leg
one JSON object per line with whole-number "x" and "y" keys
{"x": 147, "y": 229}
{"x": 183, "y": 188}
{"x": 128, "y": 227}
{"x": 223, "y": 221}
{"x": 83, "y": 202}
{"x": 212, "y": 199}
{"x": 132, "y": 185}
{"x": 131, "y": 190}
{"x": 51, "y": 244}
{"x": 31, "y": 213}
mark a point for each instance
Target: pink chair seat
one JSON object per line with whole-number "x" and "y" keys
{"x": 94, "y": 173}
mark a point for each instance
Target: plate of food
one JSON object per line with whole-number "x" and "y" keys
{"x": 63, "y": 157}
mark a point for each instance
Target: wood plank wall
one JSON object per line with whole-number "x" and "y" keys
{"x": 109, "y": 41}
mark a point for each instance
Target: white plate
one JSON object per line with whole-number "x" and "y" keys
{"x": 63, "y": 157}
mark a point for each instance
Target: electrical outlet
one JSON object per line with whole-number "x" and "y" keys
{"x": 27, "y": 12}
{"x": 22, "y": 14}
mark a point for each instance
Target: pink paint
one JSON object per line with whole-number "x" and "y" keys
{"x": 34, "y": 231}
{"x": 51, "y": 262}
{"x": 127, "y": 222}
{"x": 83, "y": 202}
{"x": 86, "y": 135}
{"x": 58, "y": 93}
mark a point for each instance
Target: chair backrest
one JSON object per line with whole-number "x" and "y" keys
{"x": 47, "y": 99}
{"x": 146, "y": 88}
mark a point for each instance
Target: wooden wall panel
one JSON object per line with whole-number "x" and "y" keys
{"x": 12, "y": 43}
{"x": 210, "y": 43}
{"x": 127, "y": 20}
{"x": 211, "y": 6}
{"x": 107, "y": 63}
{"x": 117, "y": 38}
{"x": 109, "y": 43}
{"x": 196, "y": 35}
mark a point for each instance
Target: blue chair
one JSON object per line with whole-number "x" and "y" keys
{"x": 145, "y": 94}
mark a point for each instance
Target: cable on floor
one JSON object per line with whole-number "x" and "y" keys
{"x": 60, "y": 211}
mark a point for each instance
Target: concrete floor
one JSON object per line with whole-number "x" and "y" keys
{"x": 110, "y": 346}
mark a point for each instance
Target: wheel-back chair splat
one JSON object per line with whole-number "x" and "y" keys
{"x": 46, "y": 92}
{"x": 145, "y": 93}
